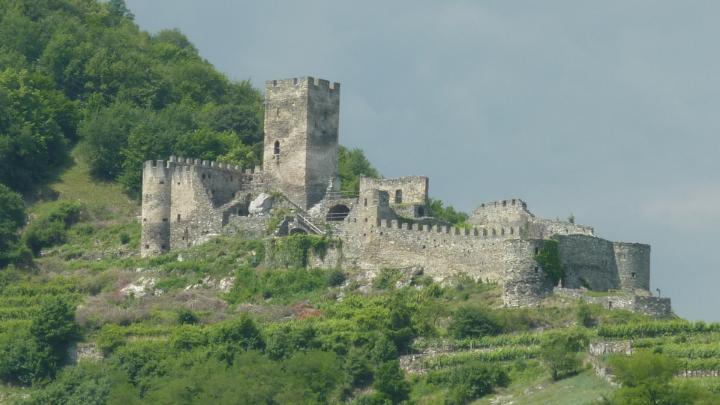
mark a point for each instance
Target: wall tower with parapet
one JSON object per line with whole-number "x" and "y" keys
{"x": 301, "y": 137}
{"x": 187, "y": 200}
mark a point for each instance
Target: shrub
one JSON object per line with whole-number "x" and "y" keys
{"x": 584, "y": 315}
{"x": 473, "y": 381}
{"x": 473, "y": 321}
{"x": 185, "y": 316}
{"x": 50, "y": 228}
{"x": 12, "y": 218}
{"x": 386, "y": 279}
{"x": 560, "y": 353}
{"x": 390, "y": 382}
{"x": 110, "y": 338}
{"x": 335, "y": 278}
{"x": 548, "y": 257}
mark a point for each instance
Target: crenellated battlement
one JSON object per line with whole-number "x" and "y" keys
{"x": 174, "y": 161}
{"x": 311, "y": 81}
{"x": 514, "y": 202}
{"x": 479, "y": 233}
{"x": 389, "y": 224}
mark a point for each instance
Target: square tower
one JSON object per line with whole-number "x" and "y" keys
{"x": 301, "y": 137}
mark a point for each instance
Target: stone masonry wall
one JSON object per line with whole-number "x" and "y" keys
{"x": 301, "y": 136}
{"x": 186, "y": 201}
{"x": 322, "y": 148}
{"x": 413, "y": 189}
{"x": 444, "y": 252}
{"x": 588, "y": 262}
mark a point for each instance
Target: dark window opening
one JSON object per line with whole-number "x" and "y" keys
{"x": 164, "y": 219}
{"x": 633, "y": 275}
{"x": 163, "y": 247}
{"x": 276, "y": 149}
{"x": 365, "y": 219}
{"x": 162, "y": 181}
{"x": 536, "y": 269}
{"x": 203, "y": 177}
{"x": 337, "y": 213}
{"x": 144, "y": 219}
{"x": 178, "y": 217}
{"x": 421, "y": 211}
{"x": 147, "y": 246}
{"x": 398, "y": 196}
{"x": 537, "y": 250}
{"x": 365, "y": 202}
{"x": 609, "y": 304}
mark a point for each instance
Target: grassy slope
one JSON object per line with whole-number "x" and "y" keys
{"x": 104, "y": 200}
{"x": 98, "y": 264}
{"x": 534, "y": 388}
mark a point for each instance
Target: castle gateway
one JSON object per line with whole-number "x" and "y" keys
{"x": 186, "y": 201}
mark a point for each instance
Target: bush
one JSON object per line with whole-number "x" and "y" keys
{"x": 185, "y": 316}
{"x": 560, "y": 353}
{"x": 584, "y": 316}
{"x": 390, "y": 382}
{"x": 12, "y": 218}
{"x": 50, "y": 228}
{"x": 473, "y": 381}
{"x": 647, "y": 378}
{"x": 472, "y": 321}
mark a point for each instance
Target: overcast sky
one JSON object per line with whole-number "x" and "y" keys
{"x": 604, "y": 109}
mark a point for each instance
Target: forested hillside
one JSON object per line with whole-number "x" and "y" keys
{"x": 85, "y": 98}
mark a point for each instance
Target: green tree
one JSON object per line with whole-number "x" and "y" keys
{"x": 437, "y": 209}
{"x": 390, "y": 382}
{"x": 12, "y": 218}
{"x": 105, "y": 135}
{"x": 34, "y": 129}
{"x": 352, "y": 164}
{"x": 473, "y": 321}
{"x": 560, "y": 353}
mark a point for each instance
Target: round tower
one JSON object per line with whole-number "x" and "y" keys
{"x": 633, "y": 264}
{"x": 155, "y": 236}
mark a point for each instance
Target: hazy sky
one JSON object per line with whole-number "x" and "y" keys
{"x": 604, "y": 109}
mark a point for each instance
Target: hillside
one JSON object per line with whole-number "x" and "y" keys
{"x": 85, "y": 98}
{"x": 243, "y": 321}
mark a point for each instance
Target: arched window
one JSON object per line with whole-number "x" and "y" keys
{"x": 398, "y": 196}
{"x": 337, "y": 213}
{"x": 276, "y": 149}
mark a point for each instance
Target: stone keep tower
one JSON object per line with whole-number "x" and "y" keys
{"x": 301, "y": 137}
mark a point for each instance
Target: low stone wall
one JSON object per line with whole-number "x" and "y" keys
{"x": 652, "y": 306}
{"x": 603, "y": 348}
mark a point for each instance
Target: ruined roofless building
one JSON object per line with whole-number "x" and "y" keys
{"x": 186, "y": 201}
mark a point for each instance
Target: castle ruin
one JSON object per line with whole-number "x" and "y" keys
{"x": 187, "y": 201}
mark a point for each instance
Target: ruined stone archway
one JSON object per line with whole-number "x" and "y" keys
{"x": 337, "y": 213}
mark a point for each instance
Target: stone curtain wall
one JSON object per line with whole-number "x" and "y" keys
{"x": 512, "y": 219}
{"x": 444, "y": 252}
